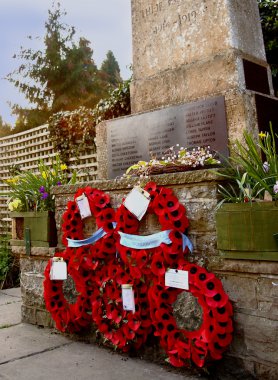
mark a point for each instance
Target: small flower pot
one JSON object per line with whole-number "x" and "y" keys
{"x": 247, "y": 231}
{"x": 42, "y": 227}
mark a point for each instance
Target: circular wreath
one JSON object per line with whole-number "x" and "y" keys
{"x": 215, "y": 333}
{"x": 153, "y": 262}
{"x": 82, "y": 262}
{"x": 124, "y": 329}
{"x": 139, "y": 268}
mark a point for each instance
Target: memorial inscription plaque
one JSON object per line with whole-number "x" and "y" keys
{"x": 139, "y": 137}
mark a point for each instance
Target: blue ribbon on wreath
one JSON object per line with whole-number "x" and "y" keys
{"x": 133, "y": 241}
{"x": 100, "y": 233}
{"x": 152, "y": 241}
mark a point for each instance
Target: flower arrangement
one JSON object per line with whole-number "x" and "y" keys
{"x": 33, "y": 192}
{"x": 175, "y": 159}
{"x": 252, "y": 170}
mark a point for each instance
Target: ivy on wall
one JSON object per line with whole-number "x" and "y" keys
{"x": 72, "y": 133}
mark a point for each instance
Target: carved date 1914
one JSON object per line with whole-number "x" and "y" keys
{"x": 185, "y": 18}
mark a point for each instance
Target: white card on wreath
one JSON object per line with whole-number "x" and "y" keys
{"x": 84, "y": 207}
{"x": 58, "y": 270}
{"x": 128, "y": 297}
{"x": 176, "y": 278}
{"x": 137, "y": 202}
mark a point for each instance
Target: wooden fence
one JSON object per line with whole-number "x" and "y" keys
{"x": 25, "y": 149}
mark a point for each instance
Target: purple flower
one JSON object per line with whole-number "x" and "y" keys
{"x": 275, "y": 188}
{"x": 59, "y": 183}
{"x": 44, "y": 196}
{"x": 42, "y": 189}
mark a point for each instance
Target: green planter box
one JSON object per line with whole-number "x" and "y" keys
{"x": 42, "y": 227}
{"x": 247, "y": 231}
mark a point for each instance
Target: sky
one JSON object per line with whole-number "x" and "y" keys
{"x": 105, "y": 23}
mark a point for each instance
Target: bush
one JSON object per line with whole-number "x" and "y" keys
{"x": 73, "y": 132}
{"x": 9, "y": 266}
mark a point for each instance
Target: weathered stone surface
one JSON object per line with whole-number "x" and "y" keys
{"x": 181, "y": 26}
{"x": 35, "y": 251}
{"x": 32, "y": 288}
{"x": 266, "y": 371}
{"x": 245, "y": 266}
{"x": 241, "y": 290}
{"x": 260, "y": 337}
{"x": 36, "y": 316}
{"x": 200, "y": 37}
{"x": 187, "y": 312}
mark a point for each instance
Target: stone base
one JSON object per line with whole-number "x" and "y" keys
{"x": 250, "y": 285}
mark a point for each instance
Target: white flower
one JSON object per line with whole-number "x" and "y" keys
{"x": 266, "y": 167}
{"x": 275, "y": 188}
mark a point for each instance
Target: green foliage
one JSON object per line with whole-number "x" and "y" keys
{"x": 62, "y": 76}
{"x": 5, "y": 258}
{"x": 9, "y": 268}
{"x": 251, "y": 170}
{"x": 110, "y": 69}
{"x": 269, "y": 18}
{"x": 5, "y": 129}
{"x": 73, "y": 133}
{"x": 33, "y": 192}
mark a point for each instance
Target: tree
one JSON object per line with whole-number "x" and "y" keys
{"x": 62, "y": 76}
{"x": 111, "y": 70}
{"x": 269, "y": 19}
{"x": 5, "y": 129}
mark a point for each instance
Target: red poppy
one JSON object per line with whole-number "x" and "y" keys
{"x": 220, "y": 299}
{"x": 135, "y": 272}
{"x": 151, "y": 186}
{"x": 101, "y": 200}
{"x": 177, "y": 214}
{"x": 157, "y": 265}
{"x": 105, "y": 216}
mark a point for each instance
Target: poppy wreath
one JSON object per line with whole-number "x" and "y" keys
{"x": 82, "y": 263}
{"x": 215, "y": 333}
{"x": 152, "y": 262}
{"x": 126, "y": 329}
{"x": 68, "y": 317}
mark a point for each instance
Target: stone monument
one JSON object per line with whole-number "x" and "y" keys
{"x": 189, "y": 52}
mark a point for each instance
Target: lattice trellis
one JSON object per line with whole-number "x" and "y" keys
{"x": 25, "y": 149}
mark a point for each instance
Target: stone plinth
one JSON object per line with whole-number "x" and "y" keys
{"x": 185, "y": 50}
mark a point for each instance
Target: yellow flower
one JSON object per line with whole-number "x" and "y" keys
{"x": 44, "y": 175}
{"x": 262, "y": 134}
{"x": 63, "y": 167}
{"x": 15, "y": 205}
{"x": 13, "y": 180}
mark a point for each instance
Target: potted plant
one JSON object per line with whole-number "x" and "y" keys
{"x": 247, "y": 215}
{"x": 32, "y": 203}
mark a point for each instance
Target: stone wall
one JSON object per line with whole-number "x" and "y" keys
{"x": 249, "y": 284}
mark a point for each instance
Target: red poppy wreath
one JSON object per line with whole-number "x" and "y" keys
{"x": 83, "y": 262}
{"x": 138, "y": 267}
{"x": 123, "y": 328}
{"x": 210, "y": 341}
{"x": 215, "y": 333}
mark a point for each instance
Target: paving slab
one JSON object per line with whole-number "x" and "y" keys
{"x": 23, "y": 340}
{"x": 13, "y": 292}
{"x": 80, "y": 361}
{"x": 6, "y": 299}
{"x": 10, "y": 313}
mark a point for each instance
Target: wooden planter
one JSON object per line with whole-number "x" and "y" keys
{"x": 247, "y": 231}
{"x": 38, "y": 227}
